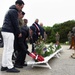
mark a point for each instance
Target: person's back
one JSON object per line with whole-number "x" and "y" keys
{"x": 10, "y": 21}
{"x": 25, "y": 30}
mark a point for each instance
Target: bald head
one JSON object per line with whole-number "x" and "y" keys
{"x": 41, "y": 24}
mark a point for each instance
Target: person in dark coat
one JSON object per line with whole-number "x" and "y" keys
{"x": 22, "y": 48}
{"x": 9, "y": 29}
{"x": 37, "y": 28}
{"x": 42, "y": 31}
{"x": 36, "y": 34}
{"x": 39, "y": 32}
{"x": 20, "y": 16}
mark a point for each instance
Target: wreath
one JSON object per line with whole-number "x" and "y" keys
{"x": 45, "y": 50}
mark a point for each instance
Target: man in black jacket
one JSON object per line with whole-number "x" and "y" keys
{"x": 16, "y": 47}
{"x": 21, "y": 44}
{"x": 9, "y": 29}
{"x": 38, "y": 32}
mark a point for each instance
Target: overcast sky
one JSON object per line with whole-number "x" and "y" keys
{"x": 48, "y": 12}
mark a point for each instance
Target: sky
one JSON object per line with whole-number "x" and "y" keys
{"x": 49, "y": 12}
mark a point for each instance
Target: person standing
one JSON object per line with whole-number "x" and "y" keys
{"x": 42, "y": 30}
{"x": 35, "y": 37}
{"x": 9, "y": 29}
{"x": 69, "y": 35}
{"x": 73, "y": 39}
{"x": 27, "y": 28}
{"x": 37, "y": 27}
{"x": 57, "y": 37}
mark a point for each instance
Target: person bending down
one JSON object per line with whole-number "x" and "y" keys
{"x": 22, "y": 48}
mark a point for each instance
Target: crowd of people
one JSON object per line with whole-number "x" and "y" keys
{"x": 15, "y": 33}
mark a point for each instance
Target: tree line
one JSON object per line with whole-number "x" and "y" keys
{"x": 62, "y": 28}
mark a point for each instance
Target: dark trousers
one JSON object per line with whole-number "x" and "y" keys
{"x": 33, "y": 40}
{"x": 33, "y": 47}
{"x": 22, "y": 50}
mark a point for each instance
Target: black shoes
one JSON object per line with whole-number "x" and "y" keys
{"x": 4, "y": 68}
{"x": 13, "y": 70}
{"x": 18, "y": 66}
{"x": 24, "y": 64}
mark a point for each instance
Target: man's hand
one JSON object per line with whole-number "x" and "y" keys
{"x": 20, "y": 35}
{"x": 38, "y": 33}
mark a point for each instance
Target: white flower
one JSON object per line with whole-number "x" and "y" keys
{"x": 47, "y": 50}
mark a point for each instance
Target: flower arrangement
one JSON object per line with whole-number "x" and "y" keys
{"x": 57, "y": 46}
{"x": 42, "y": 49}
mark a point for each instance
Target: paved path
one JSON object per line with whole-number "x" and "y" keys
{"x": 64, "y": 65}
